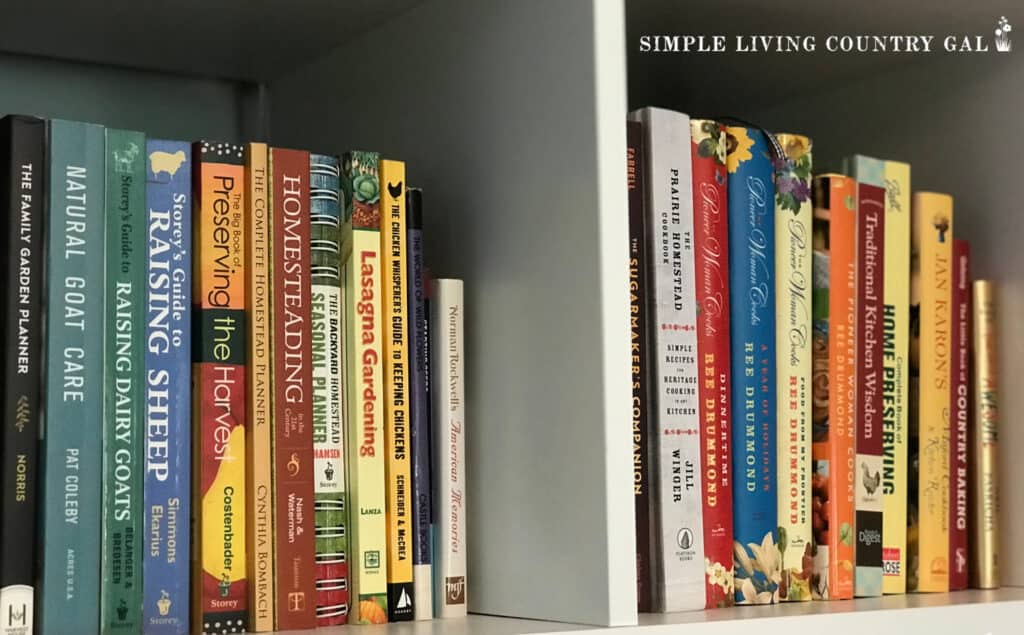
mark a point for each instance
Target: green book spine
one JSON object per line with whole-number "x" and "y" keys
{"x": 70, "y": 572}
{"x": 328, "y": 359}
{"x": 123, "y": 378}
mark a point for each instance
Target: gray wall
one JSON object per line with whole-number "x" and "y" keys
{"x": 161, "y": 105}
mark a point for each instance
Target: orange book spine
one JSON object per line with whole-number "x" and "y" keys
{"x": 834, "y": 375}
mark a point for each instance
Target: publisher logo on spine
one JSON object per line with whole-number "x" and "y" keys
{"x": 455, "y": 590}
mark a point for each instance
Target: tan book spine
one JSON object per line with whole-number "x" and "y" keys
{"x": 983, "y": 540}
{"x": 257, "y": 283}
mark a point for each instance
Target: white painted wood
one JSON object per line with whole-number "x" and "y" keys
{"x": 511, "y": 117}
{"x": 962, "y": 613}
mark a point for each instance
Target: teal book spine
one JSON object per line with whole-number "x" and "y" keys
{"x": 73, "y": 420}
{"x": 123, "y": 377}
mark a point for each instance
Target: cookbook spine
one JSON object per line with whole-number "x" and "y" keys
{"x": 960, "y": 388}
{"x": 165, "y": 574}
{"x": 328, "y": 358}
{"x": 934, "y": 216}
{"x": 121, "y": 564}
{"x": 894, "y": 176}
{"x": 638, "y": 345}
{"x": 22, "y": 156}
{"x": 711, "y": 266}
{"x": 219, "y": 371}
{"x": 419, "y": 412}
{"x": 72, "y": 467}
{"x": 868, "y": 470}
{"x": 984, "y": 448}
{"x": 751, "y": 197}
{"x": 447, "y": 320}
{"x": 793, "y": 363}
{"x": 678, "y": 562}
{"x": 833, "y": 452}
{"x": 259, "y": 504}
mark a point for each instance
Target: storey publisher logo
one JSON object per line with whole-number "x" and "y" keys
{"x": 901, "y": 43}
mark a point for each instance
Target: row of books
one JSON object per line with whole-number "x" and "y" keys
{"x": 226, "y": 351}
{"x": 814, "y": 385}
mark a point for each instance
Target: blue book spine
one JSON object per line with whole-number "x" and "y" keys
{"x": 73, "y": 420}
{"x": 419, "y": 411}
{"x": 165, "y": 568}
{"x": 752, "y": 288}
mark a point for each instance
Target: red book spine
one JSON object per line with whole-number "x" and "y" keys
{"x": 293, "y": 393}
{"x": 711, "y": 264}
{"x": 960, "y": 406}
{"x": 869, "y": 467}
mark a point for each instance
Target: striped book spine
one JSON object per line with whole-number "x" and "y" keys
{"x": 259, "y": 506}
{"x": 74, "y": 394}
{"x": 752, "y": 331}
{"x": 165, "y": 567}
{"x": 328, "y": 358}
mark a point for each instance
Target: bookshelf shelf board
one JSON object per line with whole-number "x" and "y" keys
{"x": 936, "y": 614}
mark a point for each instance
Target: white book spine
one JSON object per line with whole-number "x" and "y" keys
{"x": 448, "y": 447}
{"x": 678, "y": 561}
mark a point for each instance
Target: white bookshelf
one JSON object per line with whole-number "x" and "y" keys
{"x": 510, "y": 116}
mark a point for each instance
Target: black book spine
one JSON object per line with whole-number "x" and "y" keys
{"x": 639, "y": 362}
{"x": 22, "y": 150}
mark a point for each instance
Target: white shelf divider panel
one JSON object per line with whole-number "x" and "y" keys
{"x": 511, "y": 117}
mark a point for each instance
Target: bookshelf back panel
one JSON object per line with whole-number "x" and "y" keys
{"x": 500, "y": 127}
{"x": 168, "y": 106}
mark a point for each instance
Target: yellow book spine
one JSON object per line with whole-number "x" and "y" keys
{"x": 895, "y": 376}
{"x": 257, "y": 287}
{"x": 934, "y": 215}
{"x": 396, "y": 426}
{"x": 793, "y": 217}
{"x": 366, "y": 413}
{"x": 984, "y": 450}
